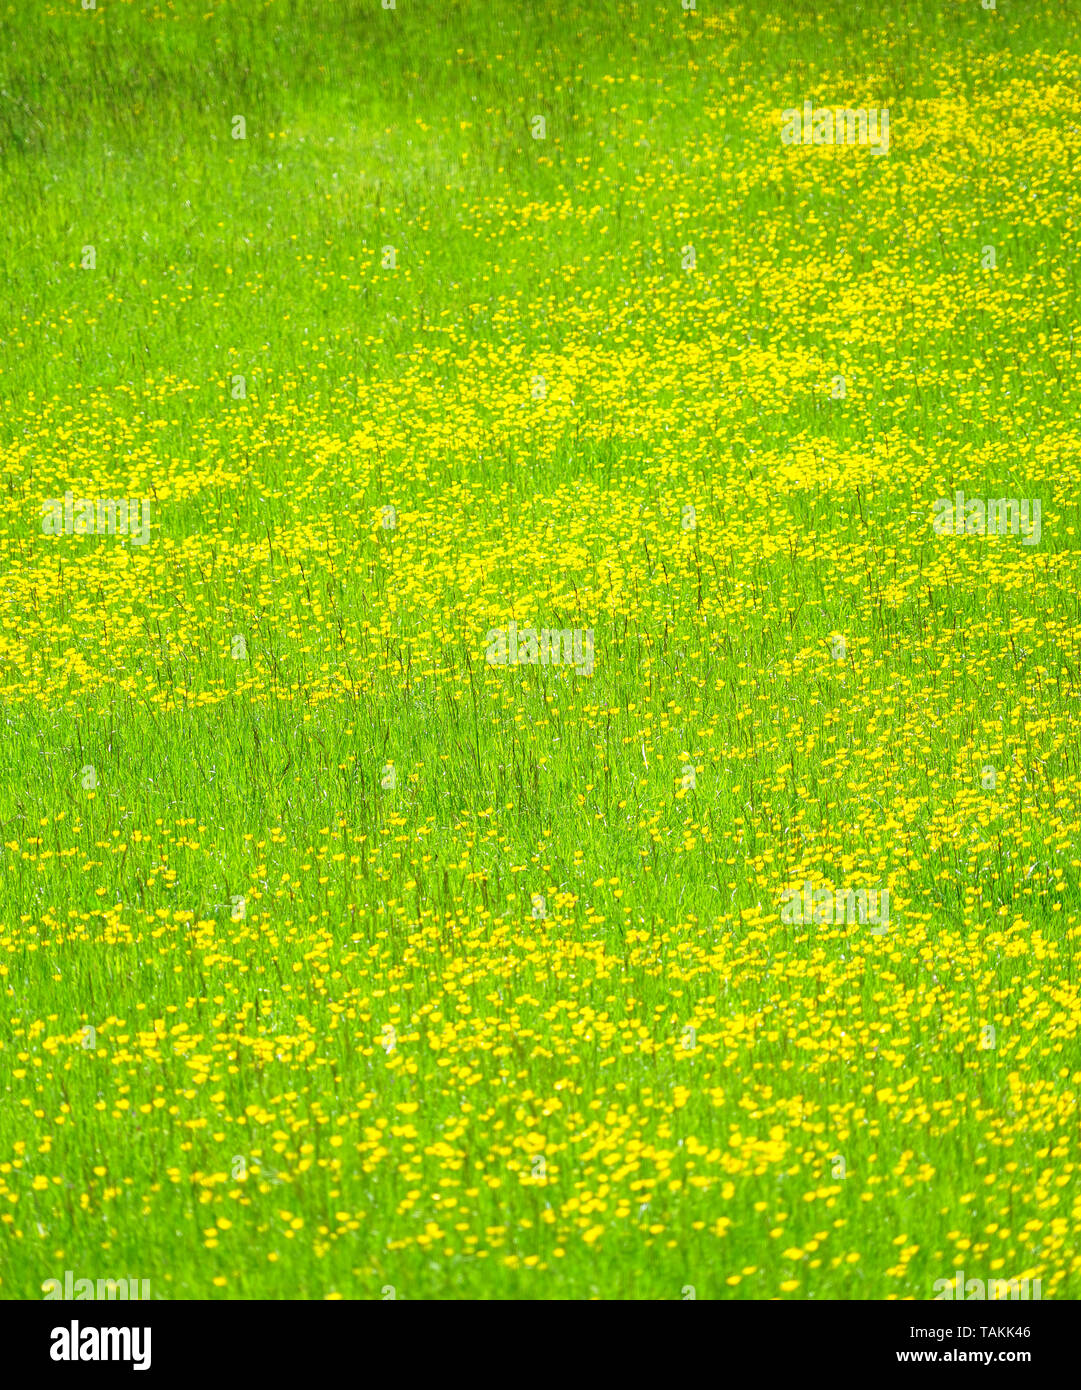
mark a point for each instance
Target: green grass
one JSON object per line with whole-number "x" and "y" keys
{"x": 672, "y": 1159}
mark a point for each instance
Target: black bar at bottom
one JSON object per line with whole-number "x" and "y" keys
{"x": 157, "y": 1339}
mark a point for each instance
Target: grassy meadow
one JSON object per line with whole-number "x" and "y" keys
{"x": 341, "y": 960}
